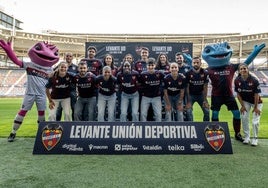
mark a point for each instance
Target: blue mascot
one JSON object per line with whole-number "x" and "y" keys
{"x": 221, "y": 73}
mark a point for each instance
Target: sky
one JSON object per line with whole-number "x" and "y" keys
{"x": 140, "y": 16}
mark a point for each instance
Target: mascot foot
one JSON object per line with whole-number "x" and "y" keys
{"x": 239, "y": 137}
{"x": 11, "y": 137}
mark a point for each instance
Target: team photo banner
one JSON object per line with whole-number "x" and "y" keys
{"x": 120, "y": 49}
{"x": 133, "y": 138}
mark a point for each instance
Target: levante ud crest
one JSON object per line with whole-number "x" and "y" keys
{"x": 215, "y": 136}
{"x": 51, "y": 135}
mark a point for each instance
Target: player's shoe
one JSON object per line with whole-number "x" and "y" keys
{"x": 239, "y": 137}
{"x": 254, "y": 142}
{"x": 11, "y": 137}
{"x": 246, "y": 141}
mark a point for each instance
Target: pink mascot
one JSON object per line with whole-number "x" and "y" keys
{"x": 43, "y": 56}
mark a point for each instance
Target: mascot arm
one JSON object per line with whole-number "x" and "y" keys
{"x": 254, "y": 53}
{"x": 10, "y": 53}
{"x": 187, "y": 58}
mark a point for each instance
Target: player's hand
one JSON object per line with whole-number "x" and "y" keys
{"x": 168, "y": 107}
{"x": 51, "y": 105}
{"x": 206, "y": 104}
{"x": 180, "y": 107}
{"x": 188, "y": 105}
{"x": 243, "y": 110}
{"x": 256, "y": 111}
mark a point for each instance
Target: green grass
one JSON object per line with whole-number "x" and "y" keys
{"x": 10, "y": 106}
{"x": 247, "y": 167}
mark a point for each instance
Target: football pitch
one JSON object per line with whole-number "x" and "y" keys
{"x": 246, "y": 167}
{"x": 10, "y": 106}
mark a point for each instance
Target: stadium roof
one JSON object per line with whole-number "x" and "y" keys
{"x": 75, "y": 42}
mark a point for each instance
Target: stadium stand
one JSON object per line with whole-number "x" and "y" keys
{"x": 12, "y": 79}
{"x": 75, "y": 42}
{"x": 2, "y": 76}
{"x": 12, "y": 82}
{"x": 265, "y": 73}
{"x": 258, "y": 74}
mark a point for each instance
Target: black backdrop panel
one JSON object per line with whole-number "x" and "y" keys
{"x": 120, "y": 49}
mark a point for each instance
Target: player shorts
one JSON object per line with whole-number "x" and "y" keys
{"x": 29, "y": 100}
{"x": 218, "y": 101}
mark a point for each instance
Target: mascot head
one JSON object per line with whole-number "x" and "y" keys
{"x": 217, "y": 55}
{"x": 44, "y": 54}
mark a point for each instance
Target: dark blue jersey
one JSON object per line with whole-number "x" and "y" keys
{"x": 86, "y": 85}
{"x": 164, "y": 68}
{"x": 247, "y": 88}
{"x": 140, "y": 66}
{"x": 94, "y": 65}
{"x": 128, "y": 83}
{"x": 151, "y": 83}
{"x": 72, "y": 69}
{"x": 106, "y": 87}
{"x": 174, "y": 86}
{"x": 222, "y": 79}
{"x": 60, "y": 86}
{"x": 196, "y": 81}
{"x": 184, "y": 68}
